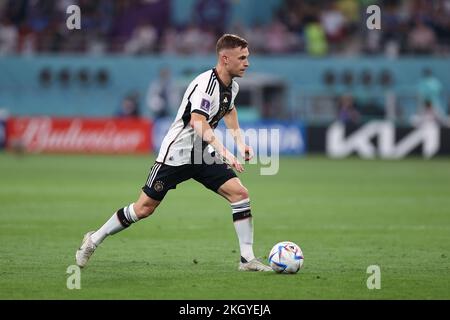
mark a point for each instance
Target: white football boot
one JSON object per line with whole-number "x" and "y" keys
{"x": 86, "y": 250}
{"x": 253, "y": 265}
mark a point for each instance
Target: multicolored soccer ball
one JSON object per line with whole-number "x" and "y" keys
{"x": 286, "y": 257}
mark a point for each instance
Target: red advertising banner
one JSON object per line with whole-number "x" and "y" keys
{"x": 79, "y": 135}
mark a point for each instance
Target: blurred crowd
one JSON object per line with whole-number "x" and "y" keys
{"x": 314, "y": 27}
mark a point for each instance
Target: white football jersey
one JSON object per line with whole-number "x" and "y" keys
{"x": 206, "y": 95}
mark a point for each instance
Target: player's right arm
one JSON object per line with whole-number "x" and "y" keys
{"x": 203, "y": 129}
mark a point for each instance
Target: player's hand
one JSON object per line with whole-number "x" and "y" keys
{"x": 233, "y": 161}
{"x": 246, "y": 152}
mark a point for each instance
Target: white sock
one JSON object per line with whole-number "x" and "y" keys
{"x": 243, "y": 224}
{"x": 120, "y": 220}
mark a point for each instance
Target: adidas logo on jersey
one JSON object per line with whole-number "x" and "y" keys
{"x": 225, "y": 100}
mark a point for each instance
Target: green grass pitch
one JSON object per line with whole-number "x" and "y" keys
{"x": 345, "y": 214}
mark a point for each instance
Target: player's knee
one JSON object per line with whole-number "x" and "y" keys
{"x": 240, "y": 194}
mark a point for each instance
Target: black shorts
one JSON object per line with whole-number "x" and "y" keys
{"x": 163, "y": 177}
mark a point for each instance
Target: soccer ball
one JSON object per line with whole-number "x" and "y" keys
{"x": 286, "y": 257}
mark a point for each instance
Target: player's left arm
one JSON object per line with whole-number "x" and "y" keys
{"x": 232, "y": 123}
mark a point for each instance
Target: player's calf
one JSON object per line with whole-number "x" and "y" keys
{"x": 145, "y": 206}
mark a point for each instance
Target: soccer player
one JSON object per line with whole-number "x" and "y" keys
{"x": 208, "y": 98}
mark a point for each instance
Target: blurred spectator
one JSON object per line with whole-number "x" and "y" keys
{"x": 129, "y": 107}
{"x": 170, "y": 40}
{"x": 431, "y": 89}
{"x": 351, "y": 10}
{"x": 191, "y": 40}
{"x": 8, "y": 37}
{"x": 441, "y": 26}
{"x": 143, "y": 39}
{"x": 161, "y": 95}
{"x": 422, "y": 39}
{"x": 315, "y": 38}
{"x": 333, "y": 22}
{"x": 347, "y": 112}
{"x": 256, "y": 36}
{"x": 392, "y": 23}
{"x": 277, "y": 38}
{"x": 372, "y": 42}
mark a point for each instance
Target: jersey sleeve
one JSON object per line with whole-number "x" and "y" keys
{"x": 202, "y": 98}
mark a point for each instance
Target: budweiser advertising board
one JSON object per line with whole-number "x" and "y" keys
{"x": 79, "y": 135}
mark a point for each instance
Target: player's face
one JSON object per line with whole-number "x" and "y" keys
{"x": 237, "y": 61}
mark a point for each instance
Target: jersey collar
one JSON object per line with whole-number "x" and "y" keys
{"x": 220, "y": 81}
